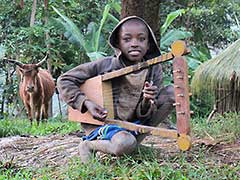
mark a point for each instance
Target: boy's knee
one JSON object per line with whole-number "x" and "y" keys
{"x": 124, "y": 143}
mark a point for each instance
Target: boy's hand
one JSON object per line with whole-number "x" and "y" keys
{"x": 149, "y": 93}
{"x": 95, "y": 110}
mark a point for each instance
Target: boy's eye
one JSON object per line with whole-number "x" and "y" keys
{"x": 126, "y": 39}
{"x": 142, "y": 38}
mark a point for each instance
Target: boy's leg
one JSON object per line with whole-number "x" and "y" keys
{"x": 165, "y": 107}
{"x": 122, "y": 142}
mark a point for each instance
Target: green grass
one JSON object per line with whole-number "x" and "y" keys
{"x": 12, "y": 127}
{"x": 142, "y": 165}
{"x": 226, "y": 127}
{"x": 145, "y": 163}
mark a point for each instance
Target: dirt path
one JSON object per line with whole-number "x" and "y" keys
{"x": 216, "y": 150}
{"x": 56, "y": 150}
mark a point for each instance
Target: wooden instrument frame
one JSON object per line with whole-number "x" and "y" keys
{"x": 100, "y": 86}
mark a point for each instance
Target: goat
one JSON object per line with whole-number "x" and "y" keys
{"x": 36, "y": 88}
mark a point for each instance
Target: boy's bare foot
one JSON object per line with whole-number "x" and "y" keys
{"x": 84, "y": 151}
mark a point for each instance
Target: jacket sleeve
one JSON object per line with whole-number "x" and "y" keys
{"x": 69, "y": 83}
{"x": 156, "y": 77}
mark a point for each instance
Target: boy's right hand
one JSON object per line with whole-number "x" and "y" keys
{"x": 95, "y": 110}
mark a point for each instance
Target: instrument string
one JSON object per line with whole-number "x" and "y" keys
{"x": 110, "y": 95}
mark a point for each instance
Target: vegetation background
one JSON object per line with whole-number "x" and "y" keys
{"x": 76, "y": 31}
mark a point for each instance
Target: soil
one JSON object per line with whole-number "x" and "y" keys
{"x": 216, "y": 150}
{"x": 57, "y": 150}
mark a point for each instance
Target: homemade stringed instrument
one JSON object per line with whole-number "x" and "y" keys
{"x": 100, "y": 87}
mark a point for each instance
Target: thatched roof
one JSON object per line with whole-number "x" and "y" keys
{"x": 220, "y": 72}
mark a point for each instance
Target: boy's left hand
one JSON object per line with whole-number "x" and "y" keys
{"x": 150, "y": 92}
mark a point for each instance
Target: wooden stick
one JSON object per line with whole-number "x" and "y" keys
{"x": 144, "y": 129}
{"x": 142, "y": 65}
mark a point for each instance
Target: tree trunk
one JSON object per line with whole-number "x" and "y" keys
{"x": 49, "y": 64}
{"x": 34, "y": 7}
{"x": 22, "y": 4}
{"x": 147, "y": 9}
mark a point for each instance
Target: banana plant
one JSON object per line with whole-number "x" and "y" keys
{"x": 91, "y": 41}
{"x": 96, "y": 47}
{"x": 168, "y": 37}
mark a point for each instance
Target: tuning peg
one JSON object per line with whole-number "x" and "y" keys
{"x": 176, "y": 104}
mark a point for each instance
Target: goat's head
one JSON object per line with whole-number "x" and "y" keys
{"x": 28, "y": 74}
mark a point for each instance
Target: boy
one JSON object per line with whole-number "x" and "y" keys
{"x": 138, "y": 96}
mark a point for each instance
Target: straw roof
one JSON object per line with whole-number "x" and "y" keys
{"x": 220, "y": 72}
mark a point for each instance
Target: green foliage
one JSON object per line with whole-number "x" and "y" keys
{"x": 225, "y": 127}
{"x": 13, "y": 127}
{"x": 210, "y": 21}
{"x": 91, "y": 39}
{"x": 28, "y": 44}
{"x": 2, "y": 51}
{"x": 172, "y": 35}
{"x": 12, "y": 174}
{"x": 236, "y": 28}
{"x": 170, "y": 18}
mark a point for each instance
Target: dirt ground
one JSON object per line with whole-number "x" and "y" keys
{"x": 216, "y": 150}
{"x": 56, "y": 150}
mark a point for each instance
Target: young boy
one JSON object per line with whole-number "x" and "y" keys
{"x": 139, "y": 96}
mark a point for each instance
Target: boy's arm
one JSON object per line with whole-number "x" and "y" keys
{"x": 68, "y": 85}
{"x": 148, "y": 104}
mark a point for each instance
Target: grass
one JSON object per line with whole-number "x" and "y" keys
{"x": 145, "y": 163}
{"x": 12, "y": 127}
{"x": 134, "y": 167}
{"x": 226, "y": 126}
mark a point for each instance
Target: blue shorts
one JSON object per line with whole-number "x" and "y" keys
{"x": 106, "y": 132}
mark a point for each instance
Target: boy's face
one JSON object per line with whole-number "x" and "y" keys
{"x": 133, "y": 40}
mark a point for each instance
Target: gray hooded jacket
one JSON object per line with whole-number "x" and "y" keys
{"x": 127, "y": 90}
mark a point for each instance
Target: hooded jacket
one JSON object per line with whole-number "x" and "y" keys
{"x": 127, "y": 90}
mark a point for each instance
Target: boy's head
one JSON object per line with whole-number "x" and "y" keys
{"x": 135, "y": 39}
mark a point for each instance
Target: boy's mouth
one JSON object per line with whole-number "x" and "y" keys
{"x": 134, "y": 52}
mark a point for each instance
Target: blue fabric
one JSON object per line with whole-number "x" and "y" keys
{"x": 106, "y": 132}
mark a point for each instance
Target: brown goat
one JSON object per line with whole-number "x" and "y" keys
{"x": 36, "y": 89}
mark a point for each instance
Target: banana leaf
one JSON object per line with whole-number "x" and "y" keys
{"x": 171, "y": 36}
{"x": 92, "y": 39}
{"x": 170, "y": 18}
{"x": 72, "y": 31}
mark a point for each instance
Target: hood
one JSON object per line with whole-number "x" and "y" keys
{"x": 153, "y": 50}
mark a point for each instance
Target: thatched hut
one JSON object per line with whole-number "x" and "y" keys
{"x": 220, "y": 76}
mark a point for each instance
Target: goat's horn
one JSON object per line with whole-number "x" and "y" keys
{"x": 20, "y": 64}
{"x": 42, "y": 61}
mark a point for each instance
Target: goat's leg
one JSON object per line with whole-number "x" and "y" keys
{"x": 45, "y": 112}
{"x": 29, "y": 112}
{"x": 38, "y": 113}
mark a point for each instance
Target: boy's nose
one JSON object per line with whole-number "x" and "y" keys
{"x": 134, "y": 43}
